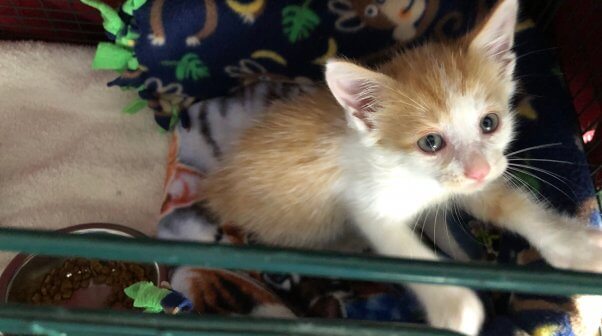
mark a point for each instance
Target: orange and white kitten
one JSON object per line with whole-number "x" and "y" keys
{"x": 376, "y": 147}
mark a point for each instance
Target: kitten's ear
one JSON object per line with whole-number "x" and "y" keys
{"x": 495, "y": 36}
{"x": 357, "y": 89}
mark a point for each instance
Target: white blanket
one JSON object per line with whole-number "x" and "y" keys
{"x": 68, "y": 155}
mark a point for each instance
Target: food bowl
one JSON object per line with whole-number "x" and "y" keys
{"x": 76, "y": 282}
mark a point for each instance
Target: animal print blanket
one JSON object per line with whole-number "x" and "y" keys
{"x": 209, "y": 128}
{"x": 176, "y": 52}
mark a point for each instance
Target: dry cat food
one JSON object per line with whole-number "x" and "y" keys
{"x": 60, "y": 283}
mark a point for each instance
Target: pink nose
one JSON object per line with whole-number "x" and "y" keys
{"x": 477, "y": 168}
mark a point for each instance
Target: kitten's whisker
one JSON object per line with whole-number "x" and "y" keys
{"x": 534, "y": 147}
{"x": 434, "y": 221}
{"x": 562, "y": 179}
{"x": 536, "y": 194}
{"x": 535, "y": 52}
{"x": 424, "y": 215}
{"x": 416, "y": 223}
{"x": 456, "y": 210}
{"x": 543, "y": 180}
{"x": 435, "y": 232}
{"x": 547, "y": 172}
{"x": 542, "y": 160}
{"x": 449, "y": 242}
{"x": 526, "y": 187}
{"x": 550, "y": 160}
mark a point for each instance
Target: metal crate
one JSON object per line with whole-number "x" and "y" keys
{"x": 70, "y": 21}
{"x": 574, "y": 28}
{"x": 67, "y": 21}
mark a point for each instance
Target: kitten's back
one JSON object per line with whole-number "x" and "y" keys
{"x": 279, "y": 181}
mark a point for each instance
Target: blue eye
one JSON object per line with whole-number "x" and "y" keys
{"x": 489, "y": 123}
{"x": 431, "y": 143}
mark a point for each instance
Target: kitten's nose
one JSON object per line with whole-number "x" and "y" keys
{"x": 476, "y": 168}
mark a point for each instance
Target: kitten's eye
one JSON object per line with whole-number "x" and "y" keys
{"x": 371, "y": 11}
{"x": 489, "y": 123}
{"x": 431, "y": 143}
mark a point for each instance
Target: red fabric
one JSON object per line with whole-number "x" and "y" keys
{"x": 578, "y": 33}
{"x": 54, "y": 20}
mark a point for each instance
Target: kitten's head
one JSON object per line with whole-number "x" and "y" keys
{"x": 442, "y": 108}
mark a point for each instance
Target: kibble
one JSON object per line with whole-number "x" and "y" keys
{"x": 61, "y": 282}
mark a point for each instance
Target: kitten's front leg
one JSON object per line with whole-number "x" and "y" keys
{"x": 565, "y": 242}
{"x": 448, "y": 307}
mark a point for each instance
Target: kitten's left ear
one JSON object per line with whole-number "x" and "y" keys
{"x": 495, "y": 36}
{"x": 357, "y": 90}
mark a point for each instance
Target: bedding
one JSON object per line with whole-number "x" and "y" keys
{"x": 545, "y": 115}
{"x": 67, "y": 155}
{"x": 190, "y": 50}
{"x": 186, "y": 58}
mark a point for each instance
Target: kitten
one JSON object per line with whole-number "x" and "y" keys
{"x": 376, "y": 147}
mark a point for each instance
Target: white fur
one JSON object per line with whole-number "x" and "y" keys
{"x": 378, "y": 182}
{"x": 384, "y": 196}
{"x": 384, "y": 191}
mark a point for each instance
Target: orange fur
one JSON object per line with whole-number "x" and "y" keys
{"x": 424, "y": 78}
{"x": 279, "y": 182}
{"x": 274, "y": 186}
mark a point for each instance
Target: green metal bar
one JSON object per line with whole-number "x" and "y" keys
{"x": 27, "y": 319}
{"x": 359, "y": 267}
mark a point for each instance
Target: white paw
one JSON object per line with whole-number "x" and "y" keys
{"x": 454, "y": 308}
{"x": 192, "y": 41}
{"x": 156, "y": 40}
{"x": 576, "y": 248}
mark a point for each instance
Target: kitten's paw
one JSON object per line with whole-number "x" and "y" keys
{"x": 577, "y": 249}
{"x": 454, "y": 308}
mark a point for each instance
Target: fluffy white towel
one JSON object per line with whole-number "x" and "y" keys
{"x": 68, "y": 155}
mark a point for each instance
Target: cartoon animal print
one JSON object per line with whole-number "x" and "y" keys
{"x": 249, "y": 72}
{"x": 408, "y": 18}
{"x": 226, "y": 292}
{"x": 331, "y": 52}
{"x": 208, "y": 27}
{"x": 158, "y": 37}
{"x": 189, "y": 67}
{"x": 454, "y": 22}
{"x": 248, "y": 12}
{"x": 167, "y": 100}
{"x": 299, "y": 21}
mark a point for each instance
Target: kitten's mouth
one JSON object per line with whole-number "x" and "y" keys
{"x": 475, "y": 185}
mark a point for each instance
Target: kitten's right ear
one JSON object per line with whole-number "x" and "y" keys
{"x": 357, "y": 90}
{"x": 495, "y": 36}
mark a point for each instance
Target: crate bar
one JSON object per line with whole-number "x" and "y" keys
{"x": 14, "y": 5}
{"x": 91, "y": 25}
{"x": 27, "y": 319}
{"x": 313, "y": 263}
{"x": 54, "y": 30}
